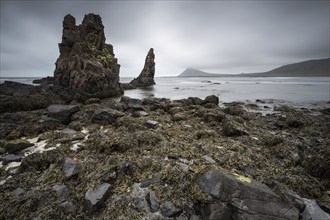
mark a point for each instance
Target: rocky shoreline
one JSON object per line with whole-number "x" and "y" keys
{"x": 164, "y": 159}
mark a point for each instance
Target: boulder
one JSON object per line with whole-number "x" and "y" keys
{"x": 62, "y": 112}
{"x": 238, "y": 197}
{"x": 232, "y": 128}
{"x": 46, "y": 80}
{"x": 18, "y": 145}
{"x": 152, "y": 201}
{"x": 10, "y": 158}
{"x": 95, "y": 198}
{"x": 62, "y": 192}
{"x": 106, "y": 116}
{"x": 151, "y": 123}
{"x": 87, "y": 66}
{"x": 146, "y": 77}
{"x": 211, "y": 99}
{"x": 313, "y": 211}
{"x": 16, "y": 96}
{"x": 71, "y": 168}
{"x": 169, "y": 210}
{"x": 39, "y": 161}
{"x": 130, "y": 103}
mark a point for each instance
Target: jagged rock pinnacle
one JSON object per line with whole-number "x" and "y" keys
{"x": 146, "y": 77}
{"x": 87, "y": 65}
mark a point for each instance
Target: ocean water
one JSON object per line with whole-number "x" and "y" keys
{"x": 297, "y": 90}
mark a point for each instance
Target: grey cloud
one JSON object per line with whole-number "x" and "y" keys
{"x": 215, "y": 36}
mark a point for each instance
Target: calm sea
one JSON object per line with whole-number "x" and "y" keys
{"x": 298, "y": 90}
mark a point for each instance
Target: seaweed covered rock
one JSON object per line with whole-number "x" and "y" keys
{"x": 16, "y": 96}
{"x": 146, "y": 77}
{"x": 241, "y": 197}
{"x": 62, "y": 112}
{"x": 87, "y": 66}
{"x": 14, "y": 146}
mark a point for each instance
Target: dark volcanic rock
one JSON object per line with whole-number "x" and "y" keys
{"x": 46, "y": 80}
{"x": 151, "y": 123}
{"x": 241, "y": 197}
{"x": 62, "y": 192}
{"x": 152, "y": 201}
{"x": 146, "y": 77}
{"x": 96, "y": 197}
{"x": 87, "y": 65}
{"x": 231, "y": 128}
{"x": 22, "y": 97}
{"x": 169, "y": 210}
{"x": 62, "y": 112}
{"x": 71, "y": 168}
{"x": 211, "y": 99}
{"x": 39, "y": 161}
{"x": 130, "y": 103}
{"x": 106, "y": 116}
{"x": 10, "y": 158}
{"x": 15, "y": 146}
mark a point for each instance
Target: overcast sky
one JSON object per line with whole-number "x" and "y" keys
{"x": 213, "y": 36}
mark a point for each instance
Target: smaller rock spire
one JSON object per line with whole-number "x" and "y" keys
{"x": 146, "y": 77}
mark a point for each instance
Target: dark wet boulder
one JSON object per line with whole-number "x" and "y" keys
{"x": 17, "y": 145}
{"x": 39, "y": 161}
{"x": 71, "y": 168}
{"x": 318, "y": 164}
{"x": 170, "y": 210}
{"x": 195, "y": 100}
{"x": 106, "y": 116}
{"x": 151, "y": 123}
{"x": 313, "y": 211}
{"x": 62, "y": 112}
{"x": 62, "y": 192}
{"x": 146, "y": 77}
{"x": 17, "y": 89}
{"x": 232, "y": 128}
{"x": 10, "y": 158}
{"x": 47, "y": 123}
{"x": 152, "y": 201}
{"x": 19, "y": 192}
{"x": 92, "y": 100}
{"x": 22, "y": 97}
{"x": 130, "y": 103}
{"x": 94, "y": 198}
{"x": 211, "y": 99}
{"x": 46, "y": 80}
{"x": 242, "y": 198}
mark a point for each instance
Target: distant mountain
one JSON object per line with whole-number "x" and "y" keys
{"x": 310, "y": 68}
{"x": 190, "y": 72}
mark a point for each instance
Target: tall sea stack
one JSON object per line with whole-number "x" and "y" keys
{"x": 146, "y": 77}
{"x": 87, "y": 66}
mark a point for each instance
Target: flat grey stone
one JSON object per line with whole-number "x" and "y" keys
{"x": 151, "y": 123}
{"x": 95, "y": 198}
{"x": 71, "y": 168}
{"x": 169, "y": 210}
